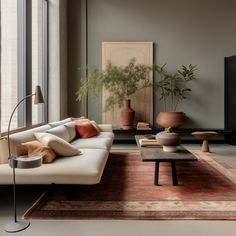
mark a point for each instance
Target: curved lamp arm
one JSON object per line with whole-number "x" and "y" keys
{"x": 38, "y": 99}
{"x": 9, "y": 123}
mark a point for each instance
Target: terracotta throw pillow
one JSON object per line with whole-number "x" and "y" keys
{"x": 86, "y": 130}
{"x": 35, "y": 147}
{"x": 96, "y": 126}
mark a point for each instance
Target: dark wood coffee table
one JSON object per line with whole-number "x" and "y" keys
{"x": 157, "y": 155}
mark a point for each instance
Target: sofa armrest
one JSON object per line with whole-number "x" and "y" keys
{"x": 105, "y": 127}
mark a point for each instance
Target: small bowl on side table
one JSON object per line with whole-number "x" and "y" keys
{"x": 205, "y": 136}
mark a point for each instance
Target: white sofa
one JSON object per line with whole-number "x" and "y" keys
{"x": 86, "y": 168}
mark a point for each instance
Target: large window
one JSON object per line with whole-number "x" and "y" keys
{"x": 39, "y": 59}
{"x": 23, "y": 61}
{"x": 9, "y": 93}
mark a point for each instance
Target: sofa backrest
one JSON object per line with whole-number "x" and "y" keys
{"x": 16, "y": 139}
{"x": 24, "y": 136}
{"x": 28, "y": 135}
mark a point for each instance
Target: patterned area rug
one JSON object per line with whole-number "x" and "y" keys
{"x": 206, "y": 190}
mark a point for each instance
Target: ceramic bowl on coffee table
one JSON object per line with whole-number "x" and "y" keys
{"x": 169, "y": 140}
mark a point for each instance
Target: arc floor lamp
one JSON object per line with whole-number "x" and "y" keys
{"x": 21, "y": 163}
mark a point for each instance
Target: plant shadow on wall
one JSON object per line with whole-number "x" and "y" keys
{"x": 173, "y": 90}
{"x": 122, "y": 82}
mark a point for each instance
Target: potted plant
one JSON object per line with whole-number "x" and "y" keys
{"x": 120, "y": 82}
{"x": 173, "y": 90}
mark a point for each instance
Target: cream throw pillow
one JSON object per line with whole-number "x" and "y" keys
{"x": 70, "y": 126}
{"x": 61, "y": 132}
{"x": 58, "y": 145}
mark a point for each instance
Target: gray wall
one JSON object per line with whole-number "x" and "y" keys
{"x": 200, "y": 32}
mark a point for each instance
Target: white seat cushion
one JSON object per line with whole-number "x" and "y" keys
{"x": 86, "y": 168}
{"x": 94, "y": 142}
{"x": 105, "y": 135}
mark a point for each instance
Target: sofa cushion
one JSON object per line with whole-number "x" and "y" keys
{"x": 105, "y": 135}
{"x": 106, "y": 127}
{"x": 16, "y": 139}
{"x": 86, "y": 168}
{"x": 86, "y": 130}
{"x": 58, "y": 145}
{"x": 94, "y": 142}
{"x": 83, "y": 119}
{"x": 78, "y": 118}
{"x": 21, "y": 150}
{"x": 60, "y": 131}
{"x": 35, "y": 147}
{"x": 70, "y": 126}
{"x": 60, "y": 122}
{"x": 96, "y": 126}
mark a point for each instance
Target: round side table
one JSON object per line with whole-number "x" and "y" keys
{"x": 205, "y": 136}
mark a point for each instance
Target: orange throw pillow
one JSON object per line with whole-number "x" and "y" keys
{"x": 21, "y": 150}
{"x": 35, "y": 147}
{"x": 86, "y": 130}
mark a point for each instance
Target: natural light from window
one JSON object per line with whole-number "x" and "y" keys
{"x": 9, "y": 93}
{"x": 37, "y": 56}
{"x": 20, "y": 25}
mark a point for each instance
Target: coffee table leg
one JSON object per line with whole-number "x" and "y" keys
{"x": 156, "y": 177}
{"x": 174, "y": 174}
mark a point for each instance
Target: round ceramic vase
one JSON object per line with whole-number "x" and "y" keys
{"x": 169, "y": 141}
{"x": 170, "y": 119}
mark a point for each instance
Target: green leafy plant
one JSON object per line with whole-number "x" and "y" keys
{"x": 120, "y": 82}
{"x": 173, "y": 87}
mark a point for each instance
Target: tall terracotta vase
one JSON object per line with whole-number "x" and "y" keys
{"x": 127, "y": 115}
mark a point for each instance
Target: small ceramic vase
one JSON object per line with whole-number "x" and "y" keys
{"x": 169, "y": 140}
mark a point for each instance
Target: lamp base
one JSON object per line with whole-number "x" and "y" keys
{"x": 17, "y": 226}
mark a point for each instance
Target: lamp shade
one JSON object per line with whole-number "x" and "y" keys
{"x": 38, "y": 98}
